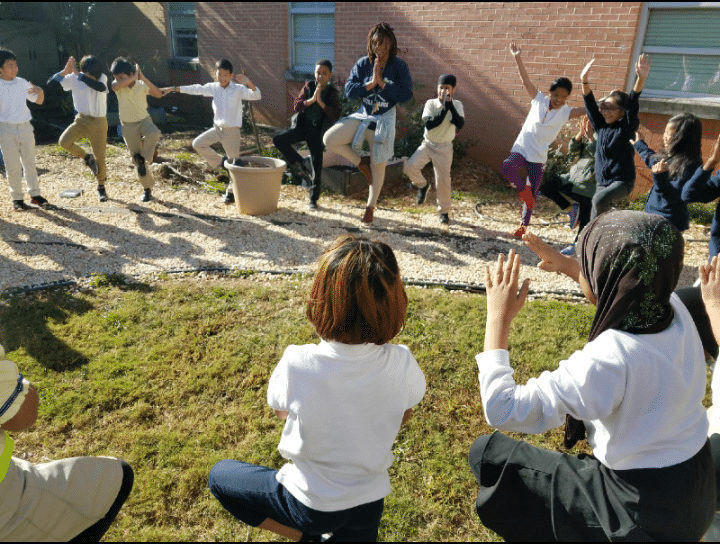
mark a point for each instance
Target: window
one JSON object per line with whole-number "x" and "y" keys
{"x": 183, "y": 31}
{"x": 312, "y": 34}
{"x": 683, "y": 41}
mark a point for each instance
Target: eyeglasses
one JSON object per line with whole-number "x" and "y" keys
{"x": 604, "y": 106}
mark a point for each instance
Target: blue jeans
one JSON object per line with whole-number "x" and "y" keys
{"x": 252, "y": 494}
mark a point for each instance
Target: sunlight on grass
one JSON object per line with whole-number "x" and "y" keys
{"x": 173, "y": 379}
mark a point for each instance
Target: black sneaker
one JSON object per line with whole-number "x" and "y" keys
{"x": 146, "y": 196}
{"x": 20, "y": 206}
{"x": 92, "y": 164}
{"x": 308, "y": 170}
{"x": 229, "y": 198}
{"x": 312, "y": 205}
{"x": 102, "y": 195}
{"x": 421, "y": 194}
{"x": 444, "y": 218}
{"x": 38, "y": 201}
{"x": 139, "y": 162}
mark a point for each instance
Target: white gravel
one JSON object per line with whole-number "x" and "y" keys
{"x": 125, "y": 236}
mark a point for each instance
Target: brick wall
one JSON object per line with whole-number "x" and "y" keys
{"x": 251, "y": 35}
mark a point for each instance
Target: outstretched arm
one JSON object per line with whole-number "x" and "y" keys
{"x": 529, "y": 87}
{"x": 710, "y": 288}
{"x": 551, "y": 260}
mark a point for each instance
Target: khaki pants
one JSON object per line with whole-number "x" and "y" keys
{"x": 441, "y": 156}
{"x": 17, "y": 143}
{"x": 142, "y": 137}
{"x": 228, "y": 137}
{"x": 94, "y": 129}
{"x": 338, "y": 139}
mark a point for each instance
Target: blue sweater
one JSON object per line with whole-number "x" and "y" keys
{"x": 615, "y": 156}
{"x": 665, "y": 197}
{"x": 706, "y": 189}
{"x": 398, "y": 85}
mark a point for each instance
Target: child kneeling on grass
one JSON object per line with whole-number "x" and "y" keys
{"x": 343, "y": 400}
{"x": 72, "y": 499}
{"x": 636, "y": 388}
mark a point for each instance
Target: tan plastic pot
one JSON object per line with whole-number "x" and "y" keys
{"x": 257, "y": 190}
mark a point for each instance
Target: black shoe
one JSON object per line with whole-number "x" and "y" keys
{"x": 239, "y": 162}
{"x": 102, "y": 195}
{"x": 312, "y": 205}
{"x": 444, "y": 218}
{"x": 421, "y": 194}
{"x": 38, "y": 201}
{"x": 139, "y": 162}
{"x": 146, "y": 196}
{"x": 229, "y": 198}
{"x": 19, "y": 206}
{"x": 92, "y": 164}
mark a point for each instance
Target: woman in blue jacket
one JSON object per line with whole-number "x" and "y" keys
{"x": 381, "y": 80}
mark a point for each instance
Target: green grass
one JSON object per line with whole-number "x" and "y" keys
{"x": 173, "y": 379}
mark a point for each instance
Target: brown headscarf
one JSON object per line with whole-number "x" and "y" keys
{"x": 632, "y": 262}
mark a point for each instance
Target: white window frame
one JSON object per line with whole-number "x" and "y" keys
{"x": 173, "y": 43}
{"x": 638, "y": 49}
{"x": 298, "y": 10}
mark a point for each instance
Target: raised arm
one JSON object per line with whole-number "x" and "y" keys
{"x": 642, "y": 70}
{"x": 153, "y": 90}
{"x": 504, "y": 301}
{"x": 529, "y": 87}
{"x": 705, "y": 188}
{"x": 117, "y": 85}
{"x": 710, "y": 288}
{"x": 551, "y": 260}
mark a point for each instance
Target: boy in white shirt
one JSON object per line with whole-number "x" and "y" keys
{"x": 443, "y": 117}
{"x": 17, "y": 140}
{"x": 228, "y": 108}
{"x": 89, "y": 91}
{"x": 139, "y": 132}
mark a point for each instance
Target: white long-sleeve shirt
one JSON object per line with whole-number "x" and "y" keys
{"x": 227, "y": 102}
{"x": 86, "y": 100}
{"x": 638, "y": 395}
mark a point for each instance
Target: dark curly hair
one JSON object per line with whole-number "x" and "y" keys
{"x": 384, "y": 31}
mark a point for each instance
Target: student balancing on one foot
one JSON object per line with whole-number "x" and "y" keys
{"x": 89, "y": 92}
{"x": 547, "y": 116}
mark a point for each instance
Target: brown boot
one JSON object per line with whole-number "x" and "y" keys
{"x": 364, "y": 167}
{"x": 368, "y": 216}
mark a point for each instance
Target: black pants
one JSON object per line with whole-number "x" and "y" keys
{"x": 304, "y": 132}
{"x": 556, "y": 188}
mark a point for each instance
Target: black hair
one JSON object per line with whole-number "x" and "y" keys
{"x": 122, "y": 66}
{"x": 6, "y": 55}
{"x": 562, "y": 83}
{"x": 224, "y": 64}
{"x": 384, "y": 31}
{"x": 621, "y": 98}
{"x": 324, "y": 62}
{"x": 684, "y": 150}
{"x": 91, "y": 65}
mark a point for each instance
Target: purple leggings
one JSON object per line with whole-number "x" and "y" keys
{"x": 510, "y": 168}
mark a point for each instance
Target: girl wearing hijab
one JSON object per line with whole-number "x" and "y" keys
{"x": 636, "y": 388}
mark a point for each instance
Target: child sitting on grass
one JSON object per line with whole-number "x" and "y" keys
{"x": 228, "y": 109}
{"x": 71, "y": 499}
{"x": 343, "y": 400}
{"x": 443, "y": 117}
{"x": 139, "y": 132}
{"x": 636, "y": 388}
{"x": 89, "y": 92}
{"x": 17, "y": 139}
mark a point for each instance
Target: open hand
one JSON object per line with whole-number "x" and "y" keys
{"x": 242, "y": 79}
{"x": 585, "y": 128}
{"x": 660, "y": 166}
{"x": 551, "y": 260}
{"x": 710, "y": 284}
{"x": 515, "y": 50}
{"x": 503, "y": 298}
{"x": 586, "y": 70}
{"x": 138, "y": 72}
{"x": 638, "y": 137}
{"x": 642, "y": 68}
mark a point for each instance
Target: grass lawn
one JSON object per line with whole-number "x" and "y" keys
{"x": 173, "y": 378}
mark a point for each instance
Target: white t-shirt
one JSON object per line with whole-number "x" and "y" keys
{"x": 345, "y": 404}
{"x": 227, "y": 102}
{"x": 13, "y": 105}
{"x": 446, "y": 131}
{"x": 86, "y": 100}
{"x": 640, "y": 396}
{"x": 540, "y": 129}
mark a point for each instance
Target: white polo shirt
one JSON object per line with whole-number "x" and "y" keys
{"x": 13, "y": 96}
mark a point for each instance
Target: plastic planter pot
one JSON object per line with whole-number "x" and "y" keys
{"x": 257, "y": 189}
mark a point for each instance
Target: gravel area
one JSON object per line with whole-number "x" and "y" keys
{"x": 186, "y": 227}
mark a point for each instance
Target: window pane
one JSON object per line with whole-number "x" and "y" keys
{"x": 314, "y": 28}
{"x": 697, "y": 74}
{"x": 181, "y": 7}
{"x": 307, "y": 54}
{"x": 699, "y": 27}
{"x": 312, "y": 5}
